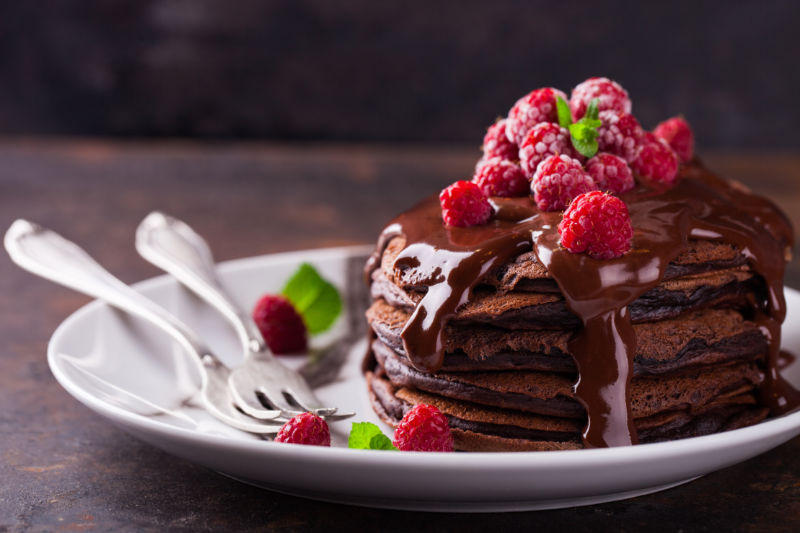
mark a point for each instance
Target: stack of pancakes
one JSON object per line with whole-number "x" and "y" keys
{"x": 507, "y": 378}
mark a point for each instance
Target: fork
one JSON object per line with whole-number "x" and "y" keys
{"x": 261, "y": 379}
{"x": 47, "y": 254}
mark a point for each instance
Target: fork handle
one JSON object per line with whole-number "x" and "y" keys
{"x": 49, "y": 255}
{"x": 173, "y": 246}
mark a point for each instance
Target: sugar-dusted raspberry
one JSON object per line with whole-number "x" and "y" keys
{"x": 610, "y": 173}
{"x": 305, "y": 428}
{"x": 463, "y": 204}
{"x": 557, "y": 180}
{"x": 678, "y": 134}
{"x": 281, "y": 325}
{"x": 423, "y": 429}
{"x": 544, "y": 139}
{"x": 619, "y": 134}
{"x": 500, "y": 177}
{"x": 496, "y": 144}
{"x": 656, "y": 160}
{"x": 609, "y": 94}
{"x": 533, "y": 108}
{"x": 596, "y": 223}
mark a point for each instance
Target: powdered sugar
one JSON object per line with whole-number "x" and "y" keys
{"x": 610, "y": 173}
{"x": 500, "y": 177}
{"x": 543, "y": 140}
{"x": 656, "y": 160}
{"x": 535, "y": 107}
{"x": 559, "y": 179}
{"x": 619, "y": 134}
{"x": 496, "y": 143}
{"x": 609, "y": 94}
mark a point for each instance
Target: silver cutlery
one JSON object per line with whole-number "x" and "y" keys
{"x": 47, "y": 254}
{"x": 261, "y": 379}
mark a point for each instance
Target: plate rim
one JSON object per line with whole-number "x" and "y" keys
{"x": 781, "y": 427}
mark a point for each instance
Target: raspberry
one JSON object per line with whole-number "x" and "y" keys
{"x": 559, "y": 179}
{"x": 544, "y": 139}
{"x": 533, "y": 108}
{"x": 619, "y": 134}
{"x": 463, "y": 204}
{"x": 423, "y": 429}
{"x": 496, "y": 144}
{"x": 305, "y": 428}
{"x": 610, "y": 173}
{"x": 679, "y": 136}
{"x": 596, "y": 223}
{"x": 656, "y": 160}
{"x": 280, "y": 324}
{"x": 609, "y": 94}
{"x": 499, "y": 177}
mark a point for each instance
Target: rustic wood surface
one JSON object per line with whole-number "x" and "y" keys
{"x": 62, "y": 468}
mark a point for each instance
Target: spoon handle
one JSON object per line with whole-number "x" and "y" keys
{"x": 173, "y": 246}
{"x": 48, "y": 255}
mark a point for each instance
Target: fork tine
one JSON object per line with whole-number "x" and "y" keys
{"x": 319, "y": 411}
{"x": 338, "y": 416}
{"x": 246, "y": 387}
{"x": 251, "y": 405}
{"x": 218, "y": 400}
{"x": 328, "y": 413}
{"x": 275, "y": 398}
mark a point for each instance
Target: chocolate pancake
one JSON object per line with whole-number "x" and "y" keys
{"x": 520, "y": 310}
{"x": 707, "y": 337}
{"x": 480, "y": 428}
{"x": 526, "y": 346}
{"x": 551, "y": 394}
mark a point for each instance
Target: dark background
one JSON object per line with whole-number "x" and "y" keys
{"x": 365, "y": 70}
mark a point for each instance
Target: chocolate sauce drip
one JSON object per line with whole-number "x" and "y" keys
{"x": 450, "y": 262}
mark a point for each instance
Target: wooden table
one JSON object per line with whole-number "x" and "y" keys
{"x": 62, "y": 468}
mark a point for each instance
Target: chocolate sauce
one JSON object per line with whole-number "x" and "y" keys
{"x": 449, "y": 262}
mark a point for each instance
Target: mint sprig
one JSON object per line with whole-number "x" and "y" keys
{"x": 315, "y": 298}
{"x": 564, "y": 113}
{"x": 583, "y": 133}
{"x": 368, "y": 436}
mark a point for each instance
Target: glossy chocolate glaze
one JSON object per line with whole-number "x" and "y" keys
{"x": 450, "y": 262}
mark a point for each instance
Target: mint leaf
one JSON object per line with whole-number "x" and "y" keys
{"x": 584, "y": 132}
{"x": 584, "y": 138}
{"x": 368, "y": 436}
{"x": 591, "y": 110}
{"x": 381, "y": 442}
{"x": 585, "y": 147}
{"x": 316, "y": 299}
{"x": 564, "y": 113}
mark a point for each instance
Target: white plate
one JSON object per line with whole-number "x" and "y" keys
{"x": 134, "y": 376}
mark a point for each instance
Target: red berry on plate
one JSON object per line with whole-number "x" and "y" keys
{"x": 496, "y": 144}
{"x": 463, "y": 204}
{"x": 619, "y": 134}
{"x": 610, "y": 173}
{"x": 423, "y": 429}
{"x": 678, "y": 134}
{"x": 535, "y": 107}
{"x": 596, "y": 223}
{"x": 305, "y": 428}
{"x": 656, "y": 160}
{"x": 544, "y": 139}
{"x": 500, "y": 177}
{"x": 280, "y": 324}
{"x": 557, "y": 180}
{"x": 609, "y": 94}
